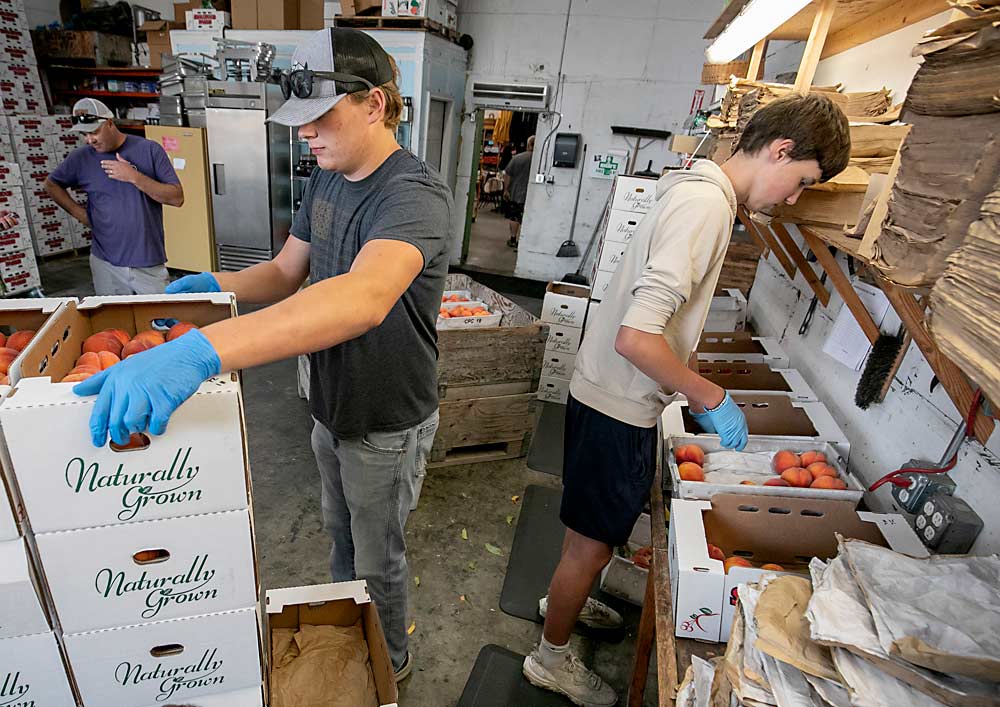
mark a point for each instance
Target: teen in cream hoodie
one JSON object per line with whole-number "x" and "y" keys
{"x": 663, "y": 285}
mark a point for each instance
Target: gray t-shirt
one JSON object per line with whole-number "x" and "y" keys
{"x": 518, "y": 169}
{"x": 385, "y": 380}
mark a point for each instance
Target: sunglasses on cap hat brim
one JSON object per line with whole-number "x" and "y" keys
{"x": 86, "y": 119}
{"x": 299, "y": 82}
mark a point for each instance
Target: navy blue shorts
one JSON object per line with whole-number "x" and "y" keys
{"x": 608, "y": 470}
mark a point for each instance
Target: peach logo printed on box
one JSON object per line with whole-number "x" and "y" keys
{"x": 12, "y": 689}
{"x": 161, "y": 591}
{"x": 194, "y": 676}
{"x": 694, "y": 622}
{"x": 140, "y": 489}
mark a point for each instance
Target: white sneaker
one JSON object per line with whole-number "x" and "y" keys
{"x": 595, "y": 614}
{"x": 570, "y": 678}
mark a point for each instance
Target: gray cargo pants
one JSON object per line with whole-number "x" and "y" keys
{"x": 119, "y": 280}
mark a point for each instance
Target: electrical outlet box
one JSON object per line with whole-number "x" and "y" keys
{"x": 922, "y": 487}
{"x": 947, "y": 524}
{"x": 539, "y": 178}
{"x": 550, "y": 179}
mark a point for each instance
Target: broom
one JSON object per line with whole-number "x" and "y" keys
{"x": 569, "y": 249}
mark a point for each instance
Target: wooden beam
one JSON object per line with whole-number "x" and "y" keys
{"x": 666, "y": 648}
{"x": 763, "y": 233}
{"x": 954, "y": 381}
{"x": 756, "y": 70}
{"x": 880, "y": 23}
{"x": 814, "y": 45}
{"x": 843, "y": 285}
{"x": 729, "y": 13}
{"x": 645, "y": 637}
{"x": 800, "y": 260}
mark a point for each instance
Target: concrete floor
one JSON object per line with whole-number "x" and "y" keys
{"x": 456, "y": 607}
{"x": 488, "y": 249}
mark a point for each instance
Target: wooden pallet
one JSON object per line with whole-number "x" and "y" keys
{"x": 411, "y": 24}
{"x": 478, "y": 453}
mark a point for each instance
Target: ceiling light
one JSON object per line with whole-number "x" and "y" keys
{"x": 756, "y": 20}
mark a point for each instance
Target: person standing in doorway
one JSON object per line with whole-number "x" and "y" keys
{"x": 127, "y": 180}
{"x": 515, "y": 178}
{"x": 372, "y": 237}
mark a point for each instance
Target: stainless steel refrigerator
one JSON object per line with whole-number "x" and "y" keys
{"x": 250, "y": 172}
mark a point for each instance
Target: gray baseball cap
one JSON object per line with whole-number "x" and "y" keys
{"x": 90, "y": 106}
{"x": 340, "y": 50}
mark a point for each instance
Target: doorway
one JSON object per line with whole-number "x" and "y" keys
{"x": 500, "y": 135}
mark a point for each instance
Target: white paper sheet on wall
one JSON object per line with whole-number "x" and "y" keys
{"x": 846, "y": 342}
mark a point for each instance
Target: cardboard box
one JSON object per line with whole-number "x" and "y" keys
{"x": 19, "y": 271}
{"x": 82, "y": 237}
{"x": 12, "y": 199}
{"x": 33, "y": 672}
{"x": 563, "y": 339}
{"x": 311, "y": 14}
{"x": 741, "y": 347}
{"x": 277, "y": 14}
{"x": 637, "y": 194}
{"x": 691, "y": 144}
{"x": 728, "y": 312}
{"x": 244, "y": 14}
{"x": 214, "y": 653}
{"x": 769, "y": 416}
{"x": 553, "y": 390}
{"x": 341, "y": 604}
{"x": 611, "y": 256}
{"x": 444, "y": 12}
{"x": 620, "y": 226}
{"x": 15, "y": 239}
{"x": 127, "y": 575}
{"x": 477, "y": 322}
{"x": 250, "y": 697}
{"x": 198, "y": 466}
{"x": 623, "y": 578}
{"x": 158, "y": 39}
{"x": 565, "y": 304}
{"x": 10, "y": 174}
{"x": 349, "y": 8}
{"x": 757, "y": 379}
{"x": 558, "y": 365}
{"x": 203, "y": 20}
{"x": 21, "y": 596}
{"x": 601, "y": 280}
{"x": 789, "y": 534}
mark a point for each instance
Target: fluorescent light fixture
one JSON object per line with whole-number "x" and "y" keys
{"x": 756, "y": 20}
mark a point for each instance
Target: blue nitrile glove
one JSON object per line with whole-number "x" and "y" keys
{"x": 704, "y": 421}
{"x": 202, "y": 282}
{"x": 730, "y": 423}
{"x": 145, "y": 389}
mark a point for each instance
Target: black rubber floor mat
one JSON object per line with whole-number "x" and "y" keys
{"x": 496, "y": 681}
{"x": 546, "y": 453}
{"x": 534, "y": 556}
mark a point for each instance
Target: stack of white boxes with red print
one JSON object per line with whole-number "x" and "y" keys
{"x": 62, "y": 141}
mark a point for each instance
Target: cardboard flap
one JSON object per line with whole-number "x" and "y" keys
{"x": 898, "y": 532}
{"x": 277, "y": 600}
{"x": 743, "y": 376}
{"x": 213, "y": 297}
{"x": 729, "y": 342}
{"x": 771, "y": 415}
{"x": 565, "y": 288}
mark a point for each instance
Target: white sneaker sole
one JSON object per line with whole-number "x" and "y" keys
{"x": 539, "y": 680}
{"x": 585, "y": 622}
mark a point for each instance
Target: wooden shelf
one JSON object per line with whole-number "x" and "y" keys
{"x": 118, "y": 71}
{"x": 108, "y": 94}
{"x": 854, "y": 21}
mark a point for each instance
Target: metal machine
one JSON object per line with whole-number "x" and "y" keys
{"x": 250, "y": 172}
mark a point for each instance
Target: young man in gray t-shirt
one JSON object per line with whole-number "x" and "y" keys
{"x": 371, "y": 234}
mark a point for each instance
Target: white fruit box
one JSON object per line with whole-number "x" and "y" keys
{"x": 621, "y": 226}
{"x": 15, "y": 239}
{"x": 21, "y": 596}
{"x": 340, "y": 604}
{"x": 558, "y": 365}
{"x": 19, "y": 271}
{"x": 611, "y": 256}
{"x": 741, "y": 347}
{"x": 32, "y": 160}
{"x": 34, "y": 178}
{"x": 12, "y": 16}
{"x": 727, "y": 312}
{"x": 788, "y": 532}
{"x": 250, "y": 697}
{"x": 565, "y": 304}
{"x": 753, "y": 463}
{"x": 32, "y": 672}
{"x": 563, "y": 339}
{"x": 82, "y": 238}
{"x": 16, "y": 53}
{"x": 11, "y": 198}
{"x": 14, "y": 38}
{"x": 757, "y": 379}
{"x": 10, "y": 173}
{"x": 477, "y": 322}
{"x": 53, "y": 245}
{"x": 45, "y": 212}
{"x": 601, "y": 281}
{"x": 635, "y": 194}
{"x": 207, "y": 20}
{"x": 621, "y": 577}
{"x": 770, "y": 416}
{"x": 553, "y": 390}
{"x": 167, "y": 662}
{"x": 126, "y": 575}
{"x": 197, "y": 466}
{"x": 27, "y": 125}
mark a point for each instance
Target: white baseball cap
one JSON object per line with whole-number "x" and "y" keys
{"x": 89, "y": 108}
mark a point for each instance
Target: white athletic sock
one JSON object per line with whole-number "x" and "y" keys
{"x": 552, "y": 655}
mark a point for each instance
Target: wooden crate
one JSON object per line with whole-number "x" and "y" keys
{"x": 487, "y": 378}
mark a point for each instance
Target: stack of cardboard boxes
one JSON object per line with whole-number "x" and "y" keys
{"x": 564, "y": 307}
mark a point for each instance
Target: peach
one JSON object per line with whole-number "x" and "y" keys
{"x": 3, "y": 340}
{"x": 829, "y": 482}
{"x": 76, "y": 377}
{"x": 747, "y": 483}
{"x": 821, "y": 469}
{"x": 91, "y": 359}
{"x": 786, "y": 460}
{"x": 7, "y": 357}
{"x": 735, "y": 562}
{"x": 120, "y": 334}
{"x": 797, "y": 476}
{"x": 135, "y": 346}
{"x": 107, "y": 359}
{"x": 19, "y": 339}
{"x": 154, "y": 337}
{"x": 773, "y": 567}
{"x": 179, "y": 329}
{"x": 777, "y": 481}
{"x": 102, "y": 341}
{"x": 811, "y": 458}
{"x": 690, "y": 471}
{"x": 690, "y": 453}
{"x": 716, "y": 553}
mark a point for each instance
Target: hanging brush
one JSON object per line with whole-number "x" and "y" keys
{"x": 882, "y": 363}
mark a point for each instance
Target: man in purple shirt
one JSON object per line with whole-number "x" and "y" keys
{"x": 126, "y": 179}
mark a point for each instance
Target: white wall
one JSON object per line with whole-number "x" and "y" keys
{"x": 633, "y": 63}
{"x": 912, "y": 422}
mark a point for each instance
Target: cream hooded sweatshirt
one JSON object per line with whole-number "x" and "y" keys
{"x": 664, "y": 285}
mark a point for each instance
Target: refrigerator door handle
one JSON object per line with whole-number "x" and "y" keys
{"x": 219, "y": 177}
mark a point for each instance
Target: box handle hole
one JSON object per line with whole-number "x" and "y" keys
{"x": 150, "y": 557}
{"x": 779, "y": 511}
{"x": 136, "y": 441}
{"x": 748, "y": 509}
{"x": 743, "y": 553}
{"x": 759, "y": 406}
{"x": 166, "y": 650}
{"x": 812, "y": 514}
